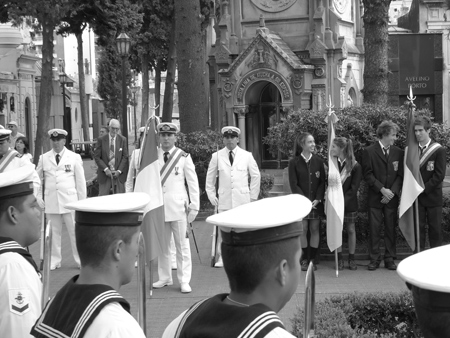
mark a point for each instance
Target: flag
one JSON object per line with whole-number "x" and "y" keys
{"x": 334, "y": 203}
{"x": 412, "y": 182}
{"x": 148, "y": 180}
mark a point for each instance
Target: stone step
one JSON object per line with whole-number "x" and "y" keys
{"x": 278, "y": 187}
{"x": 276, "y": 193}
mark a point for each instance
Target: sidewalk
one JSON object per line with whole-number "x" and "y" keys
{"x": 167, "y": 303}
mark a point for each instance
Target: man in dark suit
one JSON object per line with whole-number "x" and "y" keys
{"x": 111, "y": 156}
{"x": 383, "y": 170}
{"x": 432, "y": 169}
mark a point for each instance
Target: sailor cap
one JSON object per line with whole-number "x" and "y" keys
{"x": 231, "y": 131}
{"x": 4, "y": 134}
{"x": 57, "y": 133}
{"x": 167, "y": 127}
{"x": 18, "y": 182}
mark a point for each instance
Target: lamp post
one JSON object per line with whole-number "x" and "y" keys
{"x": 123, "y": 47}
{"x": 134, "y": 90}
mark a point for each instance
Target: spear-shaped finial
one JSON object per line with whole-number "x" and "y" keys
{"x": 410, "y": 97}
{"x": 330, "y": 106}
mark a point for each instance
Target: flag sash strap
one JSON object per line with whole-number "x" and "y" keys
{"x": 170, "y": 164}
{"x": 428, "y": 152}
{"x": 7, "y": 158}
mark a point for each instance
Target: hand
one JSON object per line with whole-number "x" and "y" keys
{"x": 385, "y": 200}
{"x": 191, "y": 216}
{"x": 40, "y": 202}
{"x": 89, "y": 183}
{"x": 108, "y": 173}
{"x": 387, "y": 193}
{"x": 314, "y": 204}
{"x": 214, "y": 201}
{"x": 116, "y": 174}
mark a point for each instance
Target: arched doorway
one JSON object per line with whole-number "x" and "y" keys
{"x": 265, "y": 110}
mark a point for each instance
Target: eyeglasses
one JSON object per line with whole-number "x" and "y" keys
{"x": 11, "y": 126}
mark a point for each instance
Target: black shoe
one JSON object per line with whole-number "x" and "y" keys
{"x": 341, "y": 264}
{"x": 352, "y": 265}
{"x": 390, "y": 265}
{"x": 304, "y": 264}
{"x": 373, "y": 265}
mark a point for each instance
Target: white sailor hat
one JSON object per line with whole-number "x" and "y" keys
{"x": 14, "y": 123}
{"x": 110, "y": 210}
{"x": 231, "y": 131}
{"x": 18, "y": 182}
{"x": 264, "y": 221}
{"x": 167, "y": 127}
{"x": 4, "y": 135}
{"x": 57, "y": 133}
{"x": 141, "y": 130}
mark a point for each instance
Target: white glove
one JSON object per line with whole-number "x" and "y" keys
{"x": 40, "y": 202}
{"x": 214, "y": 201}
{"x": 191, "y": 216}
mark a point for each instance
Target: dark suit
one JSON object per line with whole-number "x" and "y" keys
{"x": 381, "y": 173}
{"x": 350, "y": 188}
{"x": 101, "y": 156}
{"x": 430, "y": 200}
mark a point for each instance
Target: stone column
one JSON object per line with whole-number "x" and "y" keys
{"x": 241, "y": 112}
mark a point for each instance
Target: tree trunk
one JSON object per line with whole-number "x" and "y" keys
{"x": 157, "y": 86}
{"x": 170, "y": 77}
{"x": 82, "y": 89}
{"x": 376, "y": 39}
{"x": 145, "y": 89}
{"x": 46, "y": 90}
{"x": 191, "y": 62}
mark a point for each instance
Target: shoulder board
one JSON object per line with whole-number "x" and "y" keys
{"x": 185, "y": 154}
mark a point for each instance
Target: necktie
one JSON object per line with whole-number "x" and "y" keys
{"x": 422, "y": 149}
{"x": 112, "y": 161}
{"x": 386, "y": 152}
{"x": 231, "y": 157}
{"x": 166, "y": 156}
{"x": 57, "y": 158}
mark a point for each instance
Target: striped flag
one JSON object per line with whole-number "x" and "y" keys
{"x": 148, "y": 180}
{"x": 334, "y": 204}
{"x": 412, "y": 183}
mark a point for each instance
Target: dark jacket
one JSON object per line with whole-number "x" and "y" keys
{"x": 350, "y": 188}
{"x": 101, "y": 156}
{"x": 308, "y": 181}
{"x": 433, "y": 174}
{"x": 380, "y": 173}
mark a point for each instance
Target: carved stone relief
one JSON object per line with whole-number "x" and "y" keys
{"x": 273, "y": 6}
{"x": 297, "y": 83}
{"x": 262, "y": 58}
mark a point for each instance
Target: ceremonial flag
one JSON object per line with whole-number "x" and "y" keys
{"x": 335, "y": 197}
{"x": 148, "y": 180}
{"x": 412, "y": 181}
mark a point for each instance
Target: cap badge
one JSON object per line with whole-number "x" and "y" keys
{"x": 55, "y": 134}
{"x": 165, "y": 128}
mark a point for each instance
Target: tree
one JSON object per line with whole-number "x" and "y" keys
{"x": 191, "y": 55}
{"x": 376, "y": 20}
{"x": 170, "y": 77}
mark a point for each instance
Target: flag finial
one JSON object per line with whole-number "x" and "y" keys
{"x": 410, "y": 97}
{"x": 330, "y": 107}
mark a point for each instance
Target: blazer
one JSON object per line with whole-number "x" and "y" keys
{"x": 350, "y": 188}
{"x": 174, "y": 189}
{"x": 101, "y": 156}
{"x": 64, "y": 182}
{"x": 379, "y": 173}
{"x": 234, "y": 188}
{"x": 308, "y": 181}
{"x": 433, "y": 174}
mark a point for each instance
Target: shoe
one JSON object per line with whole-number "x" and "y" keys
{"x": 341, "y": 265}
{"x": 174, "y": 266}
{"x": 54, "y": 267}
{"x": 185, "y": 288}
{"x": 373, "y": 265}
{"x": 304, "y": 264}
{"x": 352, "y": 265}
{"x": 219, "y": 263}
{"x": 160, "y": 284}
{"x": 390, "y": 265}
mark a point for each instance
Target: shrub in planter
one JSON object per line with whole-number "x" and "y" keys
{"x": 267, "y": 181}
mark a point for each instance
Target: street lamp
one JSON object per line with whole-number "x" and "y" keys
{"x": 123, "y": 47}
{"x": 134, "y": 90}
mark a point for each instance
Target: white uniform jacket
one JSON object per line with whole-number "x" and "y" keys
{"x": 64, "y": 182}
{"x": 18, "y": 162}
{"x": 174, "y": 190}
{"x": 234, "y": 188}
{"x": 132, "y": 171}
{"x": 20, "y": 296}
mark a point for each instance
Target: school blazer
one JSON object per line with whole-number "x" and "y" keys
{"x": 350, "y": 188}
{"x": 379, "y": 173}
{"x": 433, "y": 174}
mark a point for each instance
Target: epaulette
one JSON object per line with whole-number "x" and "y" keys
{"x": 185, "y": 154}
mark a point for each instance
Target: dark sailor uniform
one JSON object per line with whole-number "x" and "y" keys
{"x": 20, "y": 290}
{"x": 89, "y": 311}
{"x": 214, "y": 318}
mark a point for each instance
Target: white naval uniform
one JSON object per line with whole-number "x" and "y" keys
{"x": 132, "y": 172}
{"x": 64, "y": 183}
{"x": 17, "y": 275}
{"x": 234, "y": 188}
{"x": 175, "y": 196}
{"x": 114, "y": 322}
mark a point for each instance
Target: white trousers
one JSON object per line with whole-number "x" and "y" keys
{"x": 183, "y": 253}
{"x": 56, "y": 223}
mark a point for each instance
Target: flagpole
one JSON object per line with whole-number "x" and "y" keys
{"x": 336, "y": 262}
{"x": 411, "y": 99}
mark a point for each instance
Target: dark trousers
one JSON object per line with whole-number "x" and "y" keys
{"x": 378, "y": 217}
{"x": 107, "y": 189}
{"x": 433, "y": 217}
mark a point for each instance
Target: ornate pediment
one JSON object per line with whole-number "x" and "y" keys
{"x": 317, "y": 49}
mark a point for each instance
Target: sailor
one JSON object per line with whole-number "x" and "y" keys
{"x": 261, "y": 253}
{"x": 427, "y": 275}
{"x": 20, "y": 280}
{"x": 89, "y": 305}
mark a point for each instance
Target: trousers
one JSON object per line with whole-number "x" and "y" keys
{"x": 56, "y": 224}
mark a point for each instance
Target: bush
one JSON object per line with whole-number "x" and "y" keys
{"x": 267, "y": 181}
{"x": 363, "y": 315}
